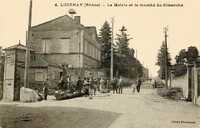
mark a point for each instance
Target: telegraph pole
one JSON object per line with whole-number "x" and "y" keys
{"x": 111, "y": 64}
{"x": 166, "y": 57}
{"x": 27, "y": 59}
{"x": 136, "y": 63}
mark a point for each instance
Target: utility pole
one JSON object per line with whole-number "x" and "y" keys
{"x": 136, "y": 63}
{"x": 79, "y": 56}
{"x": 111, "y": 64}
{"x": 166, "y": 57}
{"x": 27, "y": 59}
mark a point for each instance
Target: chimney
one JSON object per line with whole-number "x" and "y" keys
{"x": 77, "y": 19}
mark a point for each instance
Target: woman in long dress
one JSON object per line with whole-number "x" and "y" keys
{"x": 102, "y": 84}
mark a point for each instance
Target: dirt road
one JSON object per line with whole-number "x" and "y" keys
{"x": 139, "y": 110}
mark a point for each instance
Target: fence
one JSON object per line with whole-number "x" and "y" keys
{"x": 196, "y": 85}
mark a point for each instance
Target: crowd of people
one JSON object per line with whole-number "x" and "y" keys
{"x": 89, "y": 86}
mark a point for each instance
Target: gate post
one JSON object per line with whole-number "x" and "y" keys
{"x": 190, "y": 82}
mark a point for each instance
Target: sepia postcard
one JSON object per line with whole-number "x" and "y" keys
{"x": 99, "y": 64}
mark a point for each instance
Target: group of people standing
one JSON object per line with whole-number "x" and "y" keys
{"x": 90, "y": 86}
{"x": 117, "y": 85}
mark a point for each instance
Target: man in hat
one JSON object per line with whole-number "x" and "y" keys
{"x": 139, "y": 82}
{"x": 45, "y": 88}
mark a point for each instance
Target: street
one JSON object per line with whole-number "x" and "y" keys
{"x": 139, "y": 110}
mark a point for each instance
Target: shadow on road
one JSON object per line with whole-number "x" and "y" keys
{"x": 54, "y": 117}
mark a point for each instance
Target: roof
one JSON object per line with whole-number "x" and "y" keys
{"x": 39, "y": 62}
{"x": 17, "y": 46}
{"x": 61, "y": 22}
{"x": 90, "y": 29}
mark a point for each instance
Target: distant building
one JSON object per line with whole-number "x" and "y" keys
{"x": 145, "y": 75}
{"x": 67, "y": 42}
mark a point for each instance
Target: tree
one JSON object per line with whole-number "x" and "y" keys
{"x": 124, "y": 61}
{"x": 192, "y": 54}
{"x": 123, "y": 42}
{"x": 161, "y": 61}
{"x": 105, "y": 39}
{"x": 183, "y": 58}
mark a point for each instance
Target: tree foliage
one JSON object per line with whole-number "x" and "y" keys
{"x": 105, "y": 39}
{"x": 192, "y": 54}
{"x": 183, "y": 58}
{"x": 161, "y": 61}
{"x": 122, "y": 42}
{"x": 124, "y": 62}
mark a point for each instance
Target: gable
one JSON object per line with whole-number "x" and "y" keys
{"x": 60, "y": 23}
{"x": 91, "y": 30}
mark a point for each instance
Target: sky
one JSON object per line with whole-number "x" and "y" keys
{"x": 144, "y": 24}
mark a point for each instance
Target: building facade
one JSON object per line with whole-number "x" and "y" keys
{"x": 67, "y": 42}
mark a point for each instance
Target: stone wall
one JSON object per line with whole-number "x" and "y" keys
{"x": 182, "y": 82}
{"x": 196, "y": 75}
{"x": 9, "y": 75}
{"x": 55, "y": 36}
{"x": 66, "y": 58}
{"x": 52, "y": 73}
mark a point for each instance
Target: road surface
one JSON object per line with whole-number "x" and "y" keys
{"x": 139, "y": 110}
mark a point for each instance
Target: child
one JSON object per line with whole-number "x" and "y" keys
{"x": 133, "y": 86}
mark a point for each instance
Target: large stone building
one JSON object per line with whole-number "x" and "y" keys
{"x": 59, "y": 45}
{"x": 67, "y": 42}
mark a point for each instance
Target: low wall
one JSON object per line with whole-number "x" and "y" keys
{"x": 182, "y": 82}
{"x": 196, "y": 74}
{"x": 198, "y": 101}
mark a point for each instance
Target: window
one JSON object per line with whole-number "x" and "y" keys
{"x": 91, "y": 51}
{"x": 88, "y": 49}
{"x": 99, "y": 55}
{"x": 96, "y": 54}
{"x": 93, "y": 54}
{"x": 46, "y": 45}
{"x": 39, "y": 75}
{"x": 85, "y": 47}
{"x": 33, "y": 56}
{"x": 64, "y": 45}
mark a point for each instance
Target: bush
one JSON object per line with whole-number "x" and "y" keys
{"x": 180, "y": 70}
{"x": 174, "y": 93}
{"x": 128, "y": 82}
